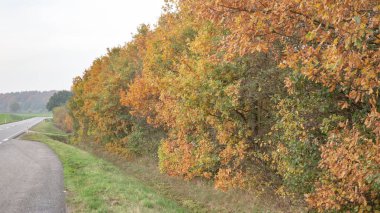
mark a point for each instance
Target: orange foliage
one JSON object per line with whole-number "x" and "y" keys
{"x": 352, "y": 164}
{"x": 142, "y": 97}
{"x": 336, "y": 43}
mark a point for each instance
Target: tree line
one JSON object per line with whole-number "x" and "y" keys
{"x": 245, "y": 93}
{"x": 24, "y": 102}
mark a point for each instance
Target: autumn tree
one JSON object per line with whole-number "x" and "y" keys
{"x": 95, "y": 106}
{"x": 214, "y": 113}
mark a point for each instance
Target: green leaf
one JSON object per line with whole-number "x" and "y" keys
{"x": 311, "y": 35}
{"x": 357, "y": 19}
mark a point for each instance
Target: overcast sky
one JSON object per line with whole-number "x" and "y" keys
{"x": 44, "y": 44}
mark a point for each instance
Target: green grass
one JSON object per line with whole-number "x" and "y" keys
{"x": 198, "y": 195}
{"x": 9, "y": 118}
{"x": 47, "y": 127}
{"x": 95, "y": 185}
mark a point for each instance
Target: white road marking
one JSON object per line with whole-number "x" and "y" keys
{"x": 28, "y": 125}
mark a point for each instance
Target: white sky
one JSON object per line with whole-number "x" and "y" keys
{"x": 44, "y": 44}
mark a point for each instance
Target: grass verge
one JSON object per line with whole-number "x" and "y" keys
{"x": 198, "y": 195}
{"x": 95, "y": 185}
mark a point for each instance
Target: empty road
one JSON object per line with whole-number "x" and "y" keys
{"x": 31, "y": 175}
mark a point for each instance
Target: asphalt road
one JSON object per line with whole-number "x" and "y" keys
{"x": 31, "y": 175}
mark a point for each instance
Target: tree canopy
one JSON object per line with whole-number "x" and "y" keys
{"x": 58, "y": 99}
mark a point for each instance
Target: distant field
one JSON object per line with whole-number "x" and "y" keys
{"x": 9, "y": 118}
